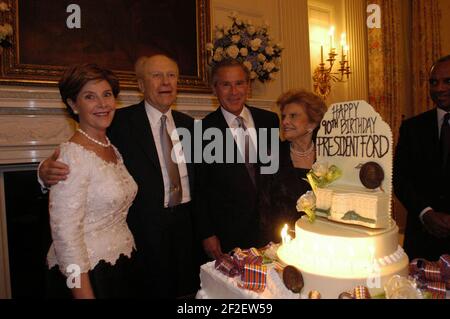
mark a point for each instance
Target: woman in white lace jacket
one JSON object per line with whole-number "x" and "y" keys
{"x": 92, "y": 245}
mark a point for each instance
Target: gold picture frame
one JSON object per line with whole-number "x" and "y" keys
{"x": 109, "y": 32}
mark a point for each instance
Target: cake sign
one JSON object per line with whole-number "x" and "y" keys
{"x": 351, "y": 130}
{"x": 353, "y": 134}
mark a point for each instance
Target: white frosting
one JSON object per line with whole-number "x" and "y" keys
{"x": 334, "y": 257}
{"x": 215, "y": 285}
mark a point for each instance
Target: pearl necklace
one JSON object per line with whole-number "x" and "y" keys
{"x": 107, "y": 144}
{"x": 303, "y": 154}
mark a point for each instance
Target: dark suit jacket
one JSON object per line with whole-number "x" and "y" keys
{"x": 228, "y": 204}
{"x": 420, "y": 182}
{"x": 156, "y": 231}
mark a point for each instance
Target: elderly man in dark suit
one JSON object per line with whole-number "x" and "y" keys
{"x": 160, "y": 217}
{"x": 422, "y": 171}
{"x": 227, "y": 215}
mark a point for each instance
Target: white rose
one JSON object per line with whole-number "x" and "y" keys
{"x": 320, "y": 169}
{"x": 209, "y": 46}
{"x": 235, "y": 38}
{"x": 269, "y": 50}
{"x": 261, "y": 57}
{"x": 3, "y": 6}
{"x": 255, "y": 44}
{"x": 8, "y": 29}
{"x": 268, "y": 66}
{"x": 238, "y": 22}
{"x": 217, "y": 57}
{"x": 272, "y": 76}
{"x": 253, "y": 75}
{"x": 244, "y": 51}
{"x": 251, "y": 30}
{"x": 248, "y": 65}
{"x": 232, "y": 51}
{"x": 219, "y": 35}
{"x": 277, "y": 61}
{"x": 306, "y": 201}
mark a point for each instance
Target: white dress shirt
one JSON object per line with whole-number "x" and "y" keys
{"x": 154, "y": 117}
{"x": 233, "y": 124}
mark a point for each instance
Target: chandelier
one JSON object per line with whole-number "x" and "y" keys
{"x": 324, "y": 75}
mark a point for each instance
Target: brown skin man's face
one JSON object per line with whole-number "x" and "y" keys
{"x": 440, "y": 85}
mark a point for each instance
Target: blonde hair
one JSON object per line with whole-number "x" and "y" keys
{"x": 139, "y": 66}
{"x": 314, "y": 105}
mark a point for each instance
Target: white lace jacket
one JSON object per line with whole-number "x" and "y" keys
{"x": 88, "y": 211}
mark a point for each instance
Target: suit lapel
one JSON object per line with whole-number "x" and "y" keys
{"x": 144, "y": 135}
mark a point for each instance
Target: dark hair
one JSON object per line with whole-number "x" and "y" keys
{"x": 226, "y": 63}
{"x": 315, "y": 107}
{"x": 76, "y": 76}
{"x": 441, "y": 60}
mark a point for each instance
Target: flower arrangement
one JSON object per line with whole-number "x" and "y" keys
{"x": 307, "y": 203}
{"x": 250, "y": 45}
{"x": 6, "y": 29}
{"x": 320, "y": 176}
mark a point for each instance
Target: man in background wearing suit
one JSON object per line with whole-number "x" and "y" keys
{"x": 227, "y": 215}
{"x": 160, "y": 217}
{"x": 422, "y": 171}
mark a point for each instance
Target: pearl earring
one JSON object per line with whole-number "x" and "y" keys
{"x": 75, "y": 112}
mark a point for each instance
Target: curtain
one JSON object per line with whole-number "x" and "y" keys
{"x": 426, "y": 48}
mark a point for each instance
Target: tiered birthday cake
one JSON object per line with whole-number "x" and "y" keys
{"x": 348, "y": 237}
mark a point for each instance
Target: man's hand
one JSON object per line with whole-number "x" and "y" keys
{"x": 211, "y": 245}
{"x": 437, "y": 223}
{"x": 51, "y": 171}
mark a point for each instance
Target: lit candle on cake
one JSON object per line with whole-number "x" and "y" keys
{"x": 286, "y": 239}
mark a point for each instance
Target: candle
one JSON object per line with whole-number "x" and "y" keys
{"x": 332, "y": 38}
{"x": 286, "y": 239}
{"x": 343, "y": 39}
{"x": 321, "y": 54}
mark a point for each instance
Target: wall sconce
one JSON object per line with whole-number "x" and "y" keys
{"x": 324, "y": 75}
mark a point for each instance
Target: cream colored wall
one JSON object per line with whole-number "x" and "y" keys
{"x": 445, "y": 26}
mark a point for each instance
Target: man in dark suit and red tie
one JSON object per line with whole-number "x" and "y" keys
{"x": 227, "y": 215}
{"x": 422, "y": 171}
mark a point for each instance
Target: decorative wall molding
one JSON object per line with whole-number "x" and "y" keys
{"x": 294, "y": 30}
{"x": 356, "y": 16}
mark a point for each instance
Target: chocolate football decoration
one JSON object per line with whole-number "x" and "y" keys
{"x": 293, "y": 279}
{"x": 371, "y": 175}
